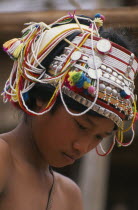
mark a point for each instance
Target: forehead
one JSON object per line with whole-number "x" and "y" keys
{"x": 102, "y": 122}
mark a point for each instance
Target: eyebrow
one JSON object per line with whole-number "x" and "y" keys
{"x": 91, "y": 122}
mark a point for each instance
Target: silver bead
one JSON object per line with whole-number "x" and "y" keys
{"x": 108, "y": 90}
{"x": 106, "y": 75}
{"x": 118, "y": 81}
{"x": 128, "y": 68}
{"x": 85, "y": 58}
{"x": 103, "y": 67}
{"x": 112, "y": 78}
{"x": 132, "y": 56}
{"x": 101, "y": 87}
{"x": 130, "y": 62}
{"x": 114, "y": 74}
{"x": 109, "y": 70}
{"x": 114, "y": 92}
{"x": 120, "y": 77}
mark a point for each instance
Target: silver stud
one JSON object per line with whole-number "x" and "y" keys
{"x": 106, "y": 113}
{"x": 101, "y": 110}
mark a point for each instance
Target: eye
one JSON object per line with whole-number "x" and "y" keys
{"x": 99, "y": 137}
{"x": 81, "y": 126}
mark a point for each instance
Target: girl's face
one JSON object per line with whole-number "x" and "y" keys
{"x": 62, "y": 138}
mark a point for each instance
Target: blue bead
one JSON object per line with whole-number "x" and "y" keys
{"x": 123, "y": 94}
{"x": 98, "y": 15}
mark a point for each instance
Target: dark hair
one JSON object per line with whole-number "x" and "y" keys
{"x": 44, "y": 91}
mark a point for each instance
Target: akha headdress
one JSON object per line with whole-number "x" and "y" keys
{"x": 92, "y": 70}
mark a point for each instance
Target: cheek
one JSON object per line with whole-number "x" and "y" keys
{"x": 55, "y": 135}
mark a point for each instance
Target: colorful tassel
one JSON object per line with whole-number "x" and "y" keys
{"x": 13, "y": 48}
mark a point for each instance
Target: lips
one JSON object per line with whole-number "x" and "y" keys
{"x": 69, "y": 158}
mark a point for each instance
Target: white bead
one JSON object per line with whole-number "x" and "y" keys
{"x": 94, "y": 62}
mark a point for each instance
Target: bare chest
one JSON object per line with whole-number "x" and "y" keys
{"x": 25, "y": 192}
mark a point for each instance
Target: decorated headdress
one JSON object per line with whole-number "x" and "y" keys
{"x": 92, "y": 70}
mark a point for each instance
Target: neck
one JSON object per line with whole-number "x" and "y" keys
{"x": 24, "y": 148}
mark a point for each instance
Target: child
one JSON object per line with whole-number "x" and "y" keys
{"x": 75, "y": 87}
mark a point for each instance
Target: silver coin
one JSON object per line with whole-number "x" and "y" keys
{"x": 94, "y": 62}
{"x": 76, "y": 55}
{"x": 104, "y": 46}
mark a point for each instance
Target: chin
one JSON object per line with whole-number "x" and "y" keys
{"x": 59, "y": 165}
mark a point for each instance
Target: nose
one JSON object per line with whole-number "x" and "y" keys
{"x": 82, "y": 147}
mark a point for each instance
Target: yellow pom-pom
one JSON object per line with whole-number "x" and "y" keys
{"x": 98, "y": 21}
{"x": 86, "y": 85}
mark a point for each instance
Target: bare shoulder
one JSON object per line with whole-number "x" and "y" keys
{"x": 5, "y": 163}
{"x": 71, "y": 191}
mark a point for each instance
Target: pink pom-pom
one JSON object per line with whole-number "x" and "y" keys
{"x": 102, "y": 17}
{"x": 91, "y": 90}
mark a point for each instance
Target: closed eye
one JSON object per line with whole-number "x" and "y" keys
{"x": 99, "y": 137}
{"x": 80, "y": 126}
